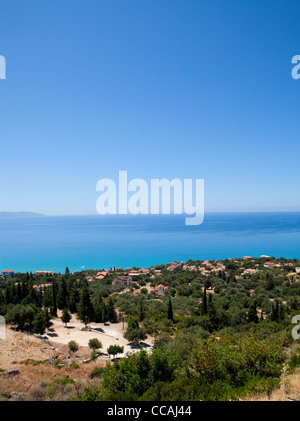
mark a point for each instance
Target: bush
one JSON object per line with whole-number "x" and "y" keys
{"x": 73, "y": 346}
{"x": 37, "y": 393}
{"x": 95, "y": 344}
{"x": 97, "y": 372}
{"x": 61, "y": 389}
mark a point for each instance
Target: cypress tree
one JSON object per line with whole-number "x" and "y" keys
{"x": 53, "y": 309}
{"x": 276, "y": 311}
{"x": 66, "y": 316}
{"x": 111, "y": 312}
{"x": 62, "y": 295}
{"x": 73, "y": 299}
{"x": 141, "y": 310}
{"x": 19, "y": 293}
{"x": 85, "y": 307}
{"x": 47, "y": 317}
{"x": 212, "y": 313}
{"x": 280, "y": 312}
{"x": 204, "y": 303}
{"x": 7, "y": 294}
{"x": 170, "y": 310}
{"x": 252, "y": 313}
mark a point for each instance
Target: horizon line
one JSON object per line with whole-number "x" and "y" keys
{"x": 149, "y": 214}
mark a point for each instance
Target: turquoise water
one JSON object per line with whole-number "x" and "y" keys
{"x": 52, "y": 243}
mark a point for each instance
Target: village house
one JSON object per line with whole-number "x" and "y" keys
{"x": 268, "y": 265}
{"x": 7, "y": 273}
{"x": 44, "y": 272}
{"x": 125, "y": 281}
{"x": 289, "y": 264}
{"x": 157, "y": 272}
{"x": 250, "y": 271}
{"x": 134, "y": 273}
{"x": 297, "y": 270}
{"x": 42, "y": 286}
{"x": 172, "y": 266}
{"x": 101, "y": 275}
{"x": 160, "y": 289}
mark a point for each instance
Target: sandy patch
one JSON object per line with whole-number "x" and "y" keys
{"x": 108, "y": 334}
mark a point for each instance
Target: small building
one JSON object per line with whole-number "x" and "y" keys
{"x": 44, "y": 272}
{"x": 101, "y": 275}
{"x": 249, "y": 271}
{"x": 7, "y": 273}
{"x": 160, "y": 289}
{"x": 134, "y": 273}
{"x": 125, "y": 281}
{"x": 269, "y": 265}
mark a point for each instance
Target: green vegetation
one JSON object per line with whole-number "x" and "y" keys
{"x": 95, "y": 344}
{"x": 221, "y": 328}
{"x": 73, "y": 346}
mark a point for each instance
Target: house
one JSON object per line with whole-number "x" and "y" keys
{"x": 44, "y": 272}
{"x": 173, "y": 266}
{"x": 42, "y": 286}
{"x": 101, "y": 275}
{"x": 297, "y": 270}
{"x": 250, "y": 271}
{"x": 160, "y": 289}
{"x": 123, "y": 281}
{"x": 269, "y": 265}
{"x": 134, "y": 273}
{"x": 7, "y": 273}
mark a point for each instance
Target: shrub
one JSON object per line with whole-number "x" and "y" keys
{"x": 95, "y": 344}
{"x": 73, "y": 346}
{"x": 97, "y": 372}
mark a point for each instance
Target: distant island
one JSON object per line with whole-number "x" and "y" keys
{"x": 20, "y": 214}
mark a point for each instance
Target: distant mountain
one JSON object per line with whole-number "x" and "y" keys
{"x": 20, "y": 214}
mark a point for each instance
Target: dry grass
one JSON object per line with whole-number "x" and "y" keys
{"x": 289, "y": 389}
{"x": 30, "y": 354}
{"x": 32, "y": 379}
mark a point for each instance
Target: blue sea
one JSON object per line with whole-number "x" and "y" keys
{"x": 96, "y": 242}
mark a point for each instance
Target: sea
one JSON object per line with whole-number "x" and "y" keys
{"x": 28, "y": 244}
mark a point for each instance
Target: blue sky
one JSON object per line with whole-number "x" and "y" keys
{"x": 160, "y": 88}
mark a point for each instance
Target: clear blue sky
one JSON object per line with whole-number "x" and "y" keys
{"x": 160, "y": 88}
